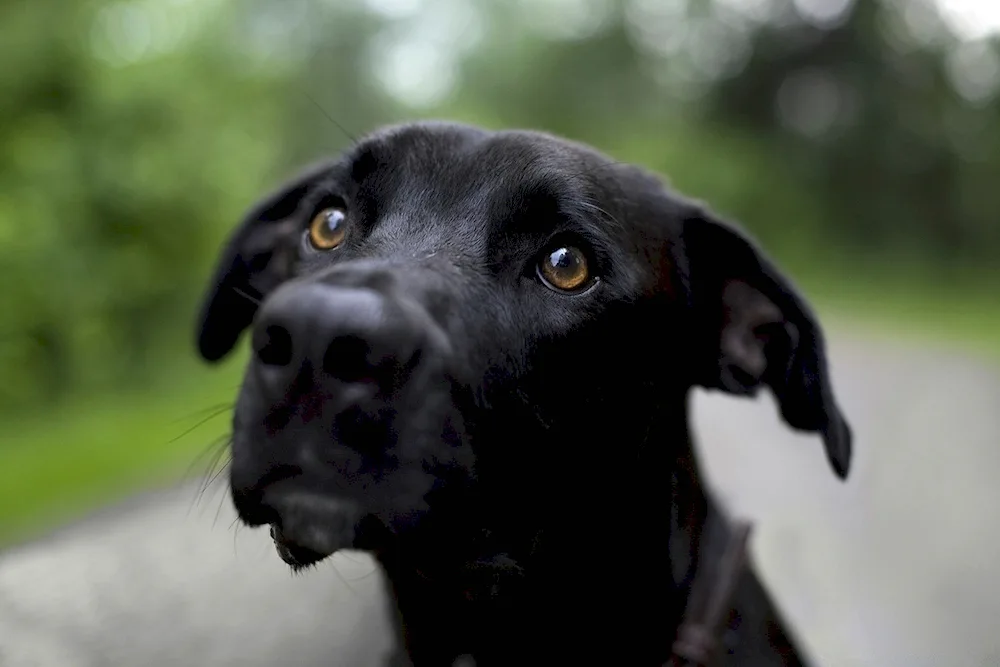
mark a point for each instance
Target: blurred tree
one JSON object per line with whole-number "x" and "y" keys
{"x": 124, "y": 139}
{"x": 133, "y": 133}
{"x": 877, "y": 128}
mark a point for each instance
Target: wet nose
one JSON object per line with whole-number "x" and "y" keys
{"x": 331, "y": 333}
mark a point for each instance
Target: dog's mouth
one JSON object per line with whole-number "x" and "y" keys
{"x": 308, "y": 527}
{"x": 322, "y": 487}
{"x": 310, "y": 543}
{"x": 294, "y": 554}
{"x": 341, "y": 502}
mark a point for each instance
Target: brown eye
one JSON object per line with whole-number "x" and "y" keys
{"x": 564, "y": 269}
{"x": 328, "y": 228}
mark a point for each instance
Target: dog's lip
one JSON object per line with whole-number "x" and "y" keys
{"x": 309, "y": 526}
{"x": 295, "y": 555}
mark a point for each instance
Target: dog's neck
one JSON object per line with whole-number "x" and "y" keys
{"x": 668, "y": 540}
{"x": 707, "y": 558}
{"x": 700, "y": 535}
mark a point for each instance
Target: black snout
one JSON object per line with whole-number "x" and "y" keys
{"x": 320, "y": 333}
{"x": 347, "y": 385}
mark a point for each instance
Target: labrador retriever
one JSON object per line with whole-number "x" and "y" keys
{"x": 472, "y": 354}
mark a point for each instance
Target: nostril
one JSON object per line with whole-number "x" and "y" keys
{"x": 275, "y": 346}
{"x": 347, "y": 359}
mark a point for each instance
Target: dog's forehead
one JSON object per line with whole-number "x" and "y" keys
{"x": 464, "y": 159}
{"x": 461, "y": 187}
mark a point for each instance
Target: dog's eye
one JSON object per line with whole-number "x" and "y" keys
{"x": 564, "y": 269}
{"x": 328, "y": 229}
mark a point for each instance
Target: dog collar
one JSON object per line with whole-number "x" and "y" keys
{"x": 698, "y": 638}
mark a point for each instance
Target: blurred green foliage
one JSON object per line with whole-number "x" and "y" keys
{"x": 110, "y": 444}
{"x": 858, "y": 140}
{"x": 133, "y": 133}
{"x": 114, "y": 182}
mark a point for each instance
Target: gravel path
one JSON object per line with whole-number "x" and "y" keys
{"x": 900, "y": 566}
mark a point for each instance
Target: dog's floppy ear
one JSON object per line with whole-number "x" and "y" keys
{"x": 752, "y": 328}
{"x": 257, "y": 258}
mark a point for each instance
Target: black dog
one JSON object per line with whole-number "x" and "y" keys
{"x": 472, "y": 355}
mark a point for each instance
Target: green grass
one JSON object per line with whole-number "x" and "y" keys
{"x": 907, "y": 304}
{"x": 971, "y": 324}
{"x": 57, "y": 467}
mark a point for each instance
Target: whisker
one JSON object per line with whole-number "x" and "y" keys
{"x": 603, "y": 212}
{"x": 210, "y": 447}
{"x": 330, "y": 118}
{"x": 249, "y": 297}
{"x": 196, "y": 413}
{"x": 222, "y": 501}
{"x": 222, "y": 444}
{"x": 219, "y": 410}
{"x": 359, "y": 560}
{"x": 221, "y": 470}
{"x": 343, "y": 579}
{"x": 235, "y": 527}
{"x": 214, "y": 477}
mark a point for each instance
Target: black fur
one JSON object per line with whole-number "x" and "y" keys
{"x": 518, "y": 459}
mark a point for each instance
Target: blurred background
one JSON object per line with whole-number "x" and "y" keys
{"x": 858, "y": 140}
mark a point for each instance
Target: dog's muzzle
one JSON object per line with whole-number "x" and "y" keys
{"x": 324, "y": 432}
{"x": 309, "y": 527}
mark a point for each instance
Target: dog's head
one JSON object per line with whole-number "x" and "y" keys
{"x": 445, "y": 316}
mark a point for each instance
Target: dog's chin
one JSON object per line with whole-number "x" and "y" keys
{"x": 296, "y": 555}
{"x": 308, "y": 527}
{"x": 372, "y": 534}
